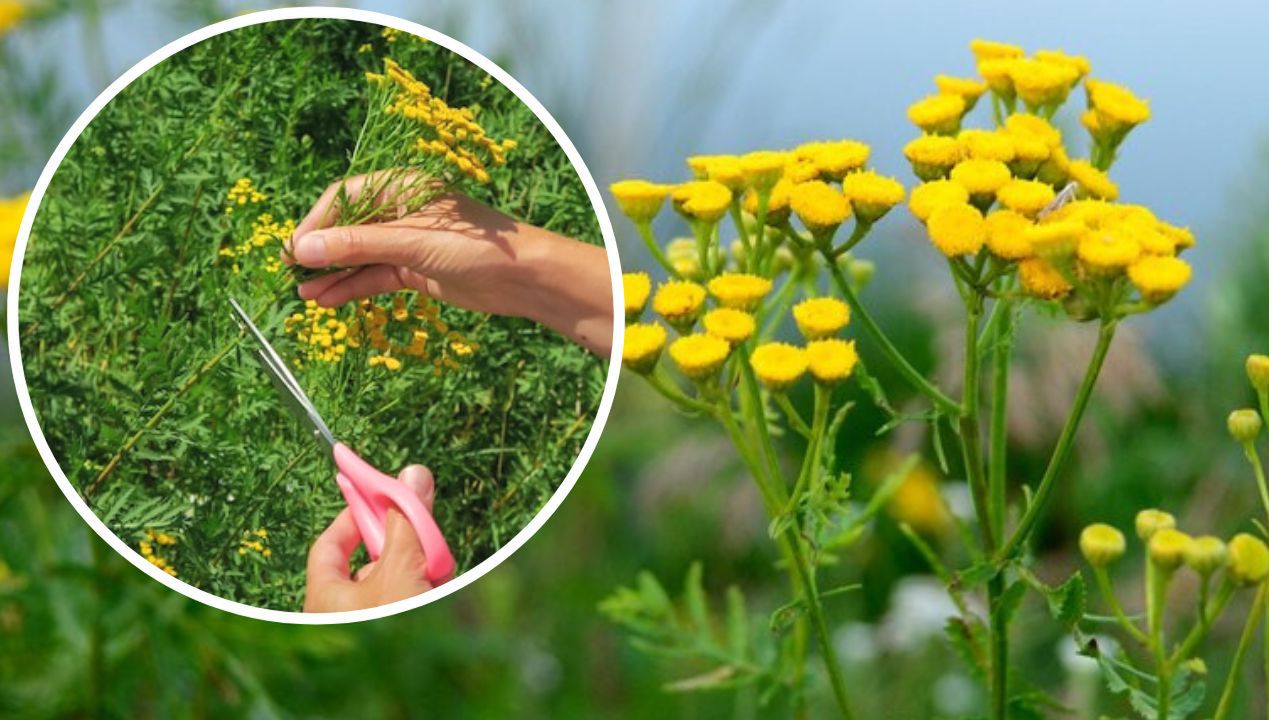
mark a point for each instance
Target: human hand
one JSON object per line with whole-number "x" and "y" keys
{"x": 462, "y": 252}
{"x": 398, "y": 573}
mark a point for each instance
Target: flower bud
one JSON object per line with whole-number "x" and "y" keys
{"x": 1248, "y": 559}
{"x": 1152, "y": 521}
{"x": 1101, "y": 544}
{"x": 1245, "y": 425}
{"x": 1258, "y": 372}
{"x": 1167, "y": 548}
{"x": 1206, "y": 555}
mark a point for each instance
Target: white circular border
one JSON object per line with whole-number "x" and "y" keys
{"x": 299, "y": 618}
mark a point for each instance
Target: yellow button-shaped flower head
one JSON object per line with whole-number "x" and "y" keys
{"x": 1034, "y": 126}
{"x": 1026, "y": 197}
{"x": 762, "y": 169}
{"x": 933, "y": 156}
{"x": 1056, "y": 239}
{"x": 1040, "y": 279}
{"x": 928, "y": 197}
{"x": 831, "y": 360}
{"x": 726, "y": 170}
{"x": 777, "y": 202}
{"x": 871, "y": 195}
{"x": 640, "y": 200}
{"x": 819, "y": 206}
{"x": 739, "y": 290}
{"x": 704, "y": 200}
{"x": 992, "y": 50}
{"x": 1151, "y": 521}
{"x": 987, "y": 144}
{"x": 821, "y": 317}
{"x": 636, "y": 287}
{"x": 967, "y": 89}
{"x": 939, "y": 114}
{"x": 957, "y": 230}
{"x": 679, "y": 302}
{"x": 642, "y": 347}
{"x": 1167, "y": 548}
{"x": 1092, "y": 182}
{"x": 1248, "y": 560}
{"x": 1101, "y": 544}
{"x": 1159, "y": 278}
{"x": 11, "y": 212}
{"x": 1107, "y": 253}
{"x": 1258, "y": 372}
{"x": 778, "y": 365}
{"x": 1007, "y": 235}
{"x": 833, "y": 159}
{"x": 1206, "y": 555}
{"x": 734, "y": 326}
{"x": 1245, "y": 425}
{"x": 982, "y": 178}
{"x": 1078, "y": 63}
{"x": 699, "y": 356}
{"x": 1041, "y": 84}
{"x": 1118, "y": 109}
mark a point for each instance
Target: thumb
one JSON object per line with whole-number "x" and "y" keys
{"x": 400, "y": 543}
{"x": 354, "y": 245}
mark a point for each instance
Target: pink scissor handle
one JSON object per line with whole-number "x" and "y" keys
{"x": 370, "y": 494}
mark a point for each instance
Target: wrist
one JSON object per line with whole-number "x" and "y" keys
{"x": 565, "y": 285}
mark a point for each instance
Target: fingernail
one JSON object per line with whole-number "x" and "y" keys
{"x": 310, "y": 250}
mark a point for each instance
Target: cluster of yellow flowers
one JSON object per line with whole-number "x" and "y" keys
{"x": 452, "y": 133}
{"x": 265, "y": 232}
{"x": 405, "y": 332}
{"x": 242, "y": 193}
{"x": 320, "y": 332}
{"x": 254, "y": 541}
{"x": 11, "y": 211}
{"x": 1245, "y": 558}
{"x": 153, "y": 540}
{"x": 700, "y": 354}
{"x": 1012, "y": 197}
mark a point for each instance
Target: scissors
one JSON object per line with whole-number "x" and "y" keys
{"x": 368, "y": 492}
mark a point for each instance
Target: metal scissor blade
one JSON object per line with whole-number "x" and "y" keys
{"x": 281, "y": 377}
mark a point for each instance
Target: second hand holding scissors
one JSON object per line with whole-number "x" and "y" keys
{"x": 368, "y": 492}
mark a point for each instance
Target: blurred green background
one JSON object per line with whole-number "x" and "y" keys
{"x": 638, "y": 86}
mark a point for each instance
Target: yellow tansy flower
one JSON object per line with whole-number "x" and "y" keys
{"x": 967, "y": 89}
{"x": 1056, "y": 239}
{"x": 679, "y": 302}
{"x": 11, "y": 14}
{"x": 957, "y": 229}
{"x": 992, "y": 50}
{"x": 831, "y": 360}
{"x": 1117, "y": 108}
{"x": 933, "y": 156}
{"x": 1040, "y": 279}
{"x": 739, "y": 290}
{"x": 703, "y": 200}
{"x": 642, "y": 346}
{"x": 1167, "y": 548}
{"x": 684, "y": 257}
{"x": 1105, "y": 252}
{"x": 778, "y": 365}
{"x": 821, "y": 317}
{"x": 1026, "y": 124}
{"x": 636, "y": 287}
{"x": 939, "y": 114}
{"x": 11, "y": 211}
{"x": 1248, "y": 559}
{"x": 777, "y": 202}
{"x": 833, "y": 159}
{"x": 640, "y": 200}
{"x": 1101, "y": 544}
{"x": 762, "y": 169}
{"x": 998, "y": 74}
{"x": 819, "y": 206}
{"x": 734, "y": 326}
{"x": 987, "y": 144}
{"x": 1041, "y": 84}
{"x": 1159, "y": 278}
{"x": 1092, "y": 182}
{"x": 871, "y": 195}
{"x": 699, "y": 356}
{"x": 982, "y": 178}
{"x": 930, "y": 196}
{"x": 726, "y": 169}
{"x": 1007, "y": 235}
{"x": 1206, "y": 555}
{"x": 1026, "y": 197}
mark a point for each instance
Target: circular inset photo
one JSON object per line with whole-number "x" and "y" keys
{"x": 314, "y": 315}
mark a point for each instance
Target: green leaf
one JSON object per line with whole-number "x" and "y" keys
{"x": 1067, "y": 601}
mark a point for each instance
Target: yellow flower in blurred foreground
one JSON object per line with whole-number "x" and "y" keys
{"x": 643, "y": 346}
{"x": 636, "y": 287}
{"x": 11, "y": 14}
{"x": 11, "y": 211}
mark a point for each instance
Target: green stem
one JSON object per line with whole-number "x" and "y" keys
{"x": 791, "y": 413}
{"x": 1066, "y": 439}
{"x": 650, "y": 241}
{"x": 811, "y": 461}
{"x": 970, "y": 437}
{"x": 1244, "y": 642}
{"x": 918, "y": 381}
{"x": 1199, "y": 631}
{"x": 999, "y": 649}
{"x": 1002, "y": 354}
{"x": 1157, "y": 580}
{"x": 743, "y": 233}
{"x": 1108, "y": 595}
{"x": 1253, "y": 457}
{"x": 671, "y": 392}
